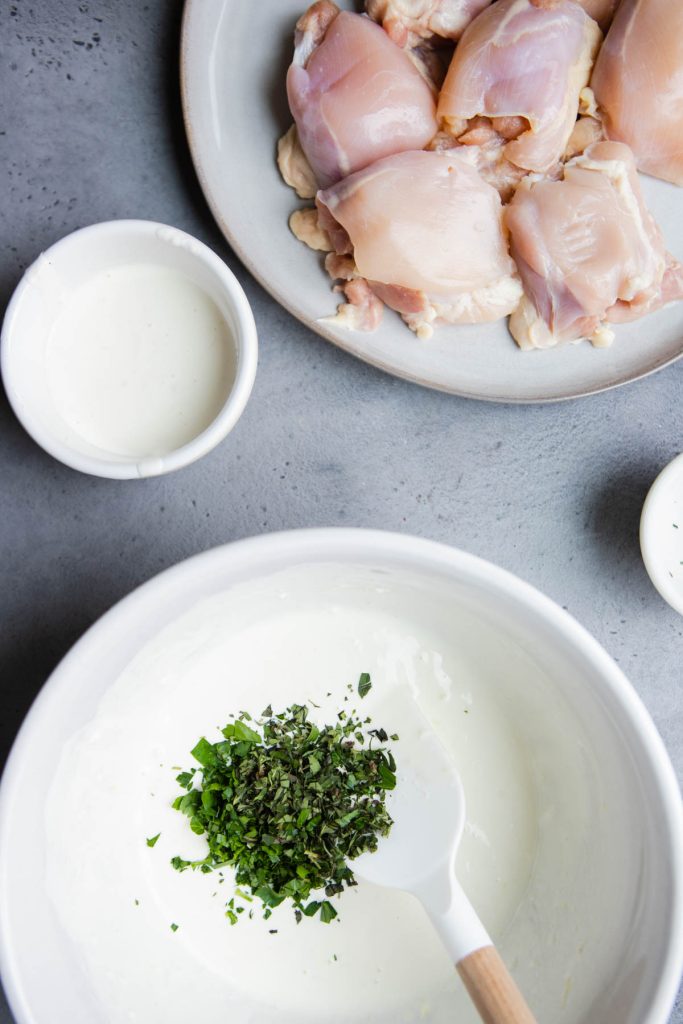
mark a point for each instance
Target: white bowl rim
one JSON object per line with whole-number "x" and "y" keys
{"x": 650, "y": 522}
{"x": 221, "y": 425}
{"x": 334, "y": 545}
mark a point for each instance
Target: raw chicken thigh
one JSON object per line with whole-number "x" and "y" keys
{"x": 638, "y": 84}
{"x": 601, "y": 11}
{"x": 354, "y": 94}
{"x": 412, "y": 22}
{"x": 516, "y": 74}
{"x": 588, "y": 251}
{"x": 427, "y": 235}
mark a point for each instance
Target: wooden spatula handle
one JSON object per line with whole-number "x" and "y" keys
{"x": 492, "y": 988}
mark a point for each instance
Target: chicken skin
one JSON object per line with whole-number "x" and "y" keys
{"x": 601, "y": 11}
{"x": 638, "y": 84}
{"x": 516, "y": 75}
{"x": 413, "y": 22}
{"x": 426, "y": 233}
{"x": 354, "y": 94}
{"x": 588, "y": 251}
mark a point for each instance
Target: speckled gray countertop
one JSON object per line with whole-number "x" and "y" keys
{"x": 90, "y": 129}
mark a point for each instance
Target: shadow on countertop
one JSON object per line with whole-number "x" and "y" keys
{"x": 31, "y": 651}
{"x": 614, "y": 521}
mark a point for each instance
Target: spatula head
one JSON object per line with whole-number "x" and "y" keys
{"x": 427, "y": 805}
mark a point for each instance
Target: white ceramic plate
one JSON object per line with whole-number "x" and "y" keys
{"x": 233, "y": 64}
{"x": 598, "y": 934}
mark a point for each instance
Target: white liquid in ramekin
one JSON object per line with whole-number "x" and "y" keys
{"x": 140, "y": 360}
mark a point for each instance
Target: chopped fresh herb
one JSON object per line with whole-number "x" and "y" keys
{"x": 185, "y": 779}
{"x": 152, "y": 841}
{"x": 174, "y": 927}
{"x": 327, "y": 912}
{"x": 387, "y": 777}
{"x": 364, "y": 684}
{"x": 204, "y": 753}
{"x": 288, "y": 804}
{"x": 137, "y": 903}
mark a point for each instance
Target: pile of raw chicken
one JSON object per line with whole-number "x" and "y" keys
{"x": 472, "y": 160}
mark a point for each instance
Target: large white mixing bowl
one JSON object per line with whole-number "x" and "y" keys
{"x": 597, "y": 940}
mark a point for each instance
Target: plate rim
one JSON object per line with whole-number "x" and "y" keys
{"x": 191, "y": 10}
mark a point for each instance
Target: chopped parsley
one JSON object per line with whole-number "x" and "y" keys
{"x": 364, "y": 684}
{"x": 288, "y": 804}
{"x": 152, "y": 841}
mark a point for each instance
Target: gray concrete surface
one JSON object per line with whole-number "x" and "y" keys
{"x": 90, "y": 129}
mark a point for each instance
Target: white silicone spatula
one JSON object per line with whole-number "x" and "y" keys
{"x": 418, "y": 856}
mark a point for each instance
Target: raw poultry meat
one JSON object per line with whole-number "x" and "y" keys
{"x": 305, "y": 225}
{"x": 294, "y": 167}
{"x": 427, "y": 235}
{"x": 585, "y": 132}
{"x": 638, "y": 84}
{"x": 516, "y": 76}
{"x": 355, "y": 95}
{"x": 601, "y": 11}
{"x": 588, "y": 251}
{"x": 487, "y": 155}
{"x": 412, "y": 22}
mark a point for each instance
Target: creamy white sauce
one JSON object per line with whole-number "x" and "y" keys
{"x": 531, "y": 858}
{"x": 140, "y": 360}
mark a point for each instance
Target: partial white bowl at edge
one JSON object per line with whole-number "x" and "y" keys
{"x": 661, "y": 533}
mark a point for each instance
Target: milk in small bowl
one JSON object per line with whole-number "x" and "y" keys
{"x": 128, "y": 349}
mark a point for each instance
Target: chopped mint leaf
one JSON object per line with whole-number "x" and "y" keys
{"x": 364, "y": 684}
{"x": 288, "y": 803}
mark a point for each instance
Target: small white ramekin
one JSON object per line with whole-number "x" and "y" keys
{"x": 661, "y": 533}
{"x": 53, "y": 278}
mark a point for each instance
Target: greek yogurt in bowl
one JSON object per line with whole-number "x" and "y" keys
{"x": 572, "y": 849}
